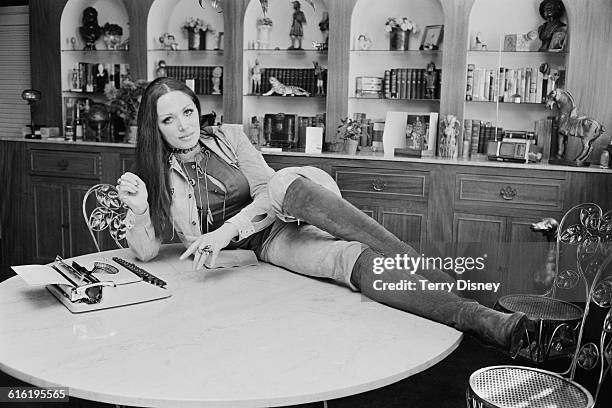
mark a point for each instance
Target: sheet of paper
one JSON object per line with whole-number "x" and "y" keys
{"x": 394, "y": 134}
{"x": 121, "y": 278}
{"x": 314, "y": 139}
{"x": 40, "y": 275}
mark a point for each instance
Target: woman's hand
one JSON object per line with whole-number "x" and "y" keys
{"x": 133, "y": 192}
{"x": 207, "y": 246}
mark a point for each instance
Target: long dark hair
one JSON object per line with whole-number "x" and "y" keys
{"x": 152, "y": 152}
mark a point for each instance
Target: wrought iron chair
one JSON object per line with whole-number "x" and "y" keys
{"x": 583, "y": 267}
{"x": 555, "y": 321}
{"x": 109, "y": 213}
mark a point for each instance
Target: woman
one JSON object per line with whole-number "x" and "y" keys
{"x": 214, "y": 189}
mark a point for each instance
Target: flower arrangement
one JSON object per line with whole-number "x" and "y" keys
{"x": 264, "y": 21}
{"x": 195, "y": 25}
{"x": 125, "y": 101}
{"x": 401, "y": 23}
{"x": 349, "y": 129}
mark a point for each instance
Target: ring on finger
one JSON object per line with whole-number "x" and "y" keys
{"x": 206, "y": 249}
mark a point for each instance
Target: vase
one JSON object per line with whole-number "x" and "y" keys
{"x": 398, "y": 39}
{"x": 132, "y": 134}
{"x": 350, "y": 146}
{"x": 196, "y": 40}
{"x": 263, "y": 36}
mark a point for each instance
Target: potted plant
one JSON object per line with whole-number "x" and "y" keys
{"x": 124, "y": 103}
{"x": 196, "y": 33}
{"x": 399, "y": 29}
{"x": 350, "y": 131}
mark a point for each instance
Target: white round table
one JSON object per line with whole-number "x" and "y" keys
{"x": 244, "y": 337}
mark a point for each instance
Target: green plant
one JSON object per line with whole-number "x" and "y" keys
{"x": 349, "y": 129}
{"x": 125, "y": 101}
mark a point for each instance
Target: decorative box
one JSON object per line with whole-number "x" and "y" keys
{"x": 516, "y": 42}
{"x": 369, "y": 87}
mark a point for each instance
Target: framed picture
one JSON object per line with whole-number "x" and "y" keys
{"x": 432, "y": 37}
{"x": 557, "y": 42}
{"x": 421, "y": 132}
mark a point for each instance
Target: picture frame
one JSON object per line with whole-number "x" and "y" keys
{"x": 421, "y": 132}
{"x": 432, "y": 37}
{"x": 557, "y": 41}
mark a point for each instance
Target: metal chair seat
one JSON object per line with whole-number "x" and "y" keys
{"x": 554, "y": 321}
{"x": 541, "y": 308}
{"x": 521, "y": 387}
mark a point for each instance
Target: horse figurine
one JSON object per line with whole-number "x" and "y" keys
{"x": 570, "y": 124}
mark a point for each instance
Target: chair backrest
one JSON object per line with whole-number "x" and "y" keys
{"x": 109, "y": 213}
{"x": 584, "y": 270}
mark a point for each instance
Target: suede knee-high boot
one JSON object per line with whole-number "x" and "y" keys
{"x": 500, "y": 329}
{"x": 318, "y": 206}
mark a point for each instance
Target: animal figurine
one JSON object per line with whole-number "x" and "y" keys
{"x": 544, "y": 277}
{"x": 570, "y": 124}
{"x": 284, "y": 90}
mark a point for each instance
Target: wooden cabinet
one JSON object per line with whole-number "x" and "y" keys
{"x": 396, "y": 199}
{"x": 441, "y": 208}
{"x": 57, "y": 180}
{"x": 58, "y": 227}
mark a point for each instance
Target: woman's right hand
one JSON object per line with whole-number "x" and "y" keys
{"x": 133, "y": 192}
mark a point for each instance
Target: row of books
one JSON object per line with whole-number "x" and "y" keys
{"x": 303, "y": 77}
{"x": 507, "y": 84}
{"x": 411, "y": 83}
{"x": 476, "y": 133}
{"x": 200, "y": 77}
{"x": 93, "y": 77}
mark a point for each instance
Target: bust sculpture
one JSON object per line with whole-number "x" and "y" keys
{"x": 90, "y": 30}
{"x": 551, "y": 11}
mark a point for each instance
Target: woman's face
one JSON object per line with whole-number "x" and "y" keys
{"x": 178, "y": 120}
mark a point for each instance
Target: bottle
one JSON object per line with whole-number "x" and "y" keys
{"x": 78, "y": 126}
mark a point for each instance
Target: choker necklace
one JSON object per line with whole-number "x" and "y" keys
{"x": 183, "y": 151}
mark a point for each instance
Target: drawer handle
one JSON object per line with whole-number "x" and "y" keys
{"x": 62, "y": 164}
{"x": 379, "y": 184}
{"x": 507, "y": 193}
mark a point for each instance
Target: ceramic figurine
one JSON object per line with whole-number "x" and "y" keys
{"x": 216, "y": 80}
{"x": 90, "y": 30}
{"x": 572, "y": 124}
{"x": 161, "y": 69}
{"x": 551, "y": 11}
{"x": 431, "y": 75}
{"x": 297, "y": 29}
{"x": 256, "y": 78}
{"x": 319, "y": 72}
{"x": 168, "y": 41}
{"x": 101, "y": 78}
{"x": 112, "y": 35}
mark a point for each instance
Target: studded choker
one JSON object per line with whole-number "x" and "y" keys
{"x": 183, "y": 151}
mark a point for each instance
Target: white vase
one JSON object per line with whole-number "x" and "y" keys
{"x": 132, "y": 134}
{"x": 263, "y": 36}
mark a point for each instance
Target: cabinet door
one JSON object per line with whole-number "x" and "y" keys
{"x": 409, "y": 226}
{"x": 481, "y": 236}
{"x": 527, "y": 257}
{"x": 79, "y": 239}
{"x": 49, "y": 228}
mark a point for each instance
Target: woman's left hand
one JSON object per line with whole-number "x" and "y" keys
{"x": 208, "y": 246}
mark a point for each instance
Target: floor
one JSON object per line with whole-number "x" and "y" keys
{"x": 441, "y": 386}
